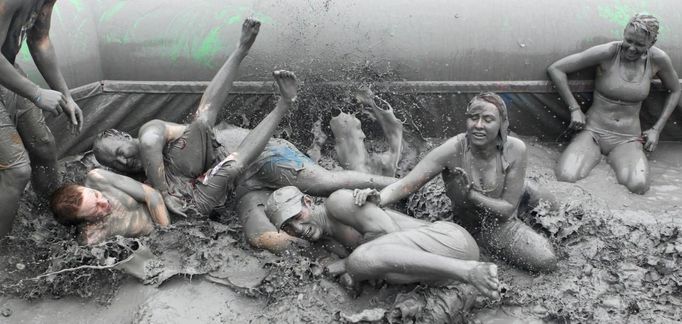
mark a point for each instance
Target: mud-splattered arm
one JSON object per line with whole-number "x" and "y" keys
{"x": 429, "y": 167}
{"x": 40, "y": 46}
{"x": 103, "y": 179}
{"x": 670, "y": 80}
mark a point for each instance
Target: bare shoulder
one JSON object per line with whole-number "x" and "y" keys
{"x": 660, "y": 57}
{"x": 98, "y": 179}
{"x": 515, "y": 149}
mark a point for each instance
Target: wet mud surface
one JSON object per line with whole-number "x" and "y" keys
{"x": 620, "y": 262}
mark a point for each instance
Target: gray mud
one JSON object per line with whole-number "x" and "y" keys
{"x": 619, "y": 257}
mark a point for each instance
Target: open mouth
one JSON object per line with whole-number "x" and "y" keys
{"x": 478, "y": 135}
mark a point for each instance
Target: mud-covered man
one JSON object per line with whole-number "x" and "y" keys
{"x": 202, "y": 173}
{"x": 386, "y": 244}
{"x": 281, "y": 164}
{"x": 27, "y": 148}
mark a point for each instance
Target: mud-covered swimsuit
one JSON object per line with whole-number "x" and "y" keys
{"x": 611, "y": 85}
{"x": 512, "y": 239}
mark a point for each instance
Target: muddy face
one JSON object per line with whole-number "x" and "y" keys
{"x": 121, "y": 154}
{"x": 483, "y": 123}
{"x": 94, "y": 206}
{"x": 635, "y": 44}
{"x": 303, "y": 226}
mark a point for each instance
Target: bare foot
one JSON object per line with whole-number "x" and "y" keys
{"x": 286, "y": 82}
{"x": 483, "y": 276}
{"x": 250, "y": 30}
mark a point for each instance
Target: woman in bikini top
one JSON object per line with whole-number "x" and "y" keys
{"x": 624, "y": 73}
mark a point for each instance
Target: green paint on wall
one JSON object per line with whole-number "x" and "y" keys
{"x": 111, "y": 12}
{"x": 234, "y": 19}
{"x": 78, "y": 4}
{"x": 24, "y": 53}
{"x": 208, "y": 47}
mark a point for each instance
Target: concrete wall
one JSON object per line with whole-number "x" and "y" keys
{"x": 434, "y": 40}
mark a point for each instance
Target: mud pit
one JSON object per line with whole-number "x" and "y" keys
{"x": 619, "y": 262}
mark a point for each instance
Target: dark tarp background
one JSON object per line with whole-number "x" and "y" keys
{"x": 429, "y": 109}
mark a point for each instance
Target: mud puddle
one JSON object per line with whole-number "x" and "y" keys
{"x": 619, "y": 263}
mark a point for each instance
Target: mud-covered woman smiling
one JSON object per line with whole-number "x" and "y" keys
{"x": 484, "y": 172}
{"x": 625, "y": 70}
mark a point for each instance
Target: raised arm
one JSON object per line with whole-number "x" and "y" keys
{"x": 558, "y": 71}
{"x": 41, "y": 49}
{"x": 429, "y": 167}
{"x": 505, "y": 206}
{"x": 217, "y": 91}
{"x": 105, "y": 180}
{"x": 670, "y": 80}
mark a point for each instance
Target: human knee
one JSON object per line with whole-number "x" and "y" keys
{"x": 42, "y": 148}
{"x": 638, "y": 185}
{"x": 544, "y": 261}
{"x": 566, "y": 174}
{"x": 19, "y": 175}
{"x": 362, "y": 257}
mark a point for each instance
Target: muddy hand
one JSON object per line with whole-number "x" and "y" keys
{"x": 361, "y": 196}
{"x": 250, "y": 30}
{"x": 50, "y": 100}
{"x": 577, "y": 120}
{"x": 463, "y": 182}
{"x": 75, "y": 115}
{"x": 174, "y": 205}
{"x": 286, "y": 82}
{"x": 651, "y": 139}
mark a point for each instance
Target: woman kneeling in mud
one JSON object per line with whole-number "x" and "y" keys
{"x": 484, "y": 172}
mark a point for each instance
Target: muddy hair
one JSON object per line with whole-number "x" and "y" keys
{"x": 106, "y": 134}
{"x": 65, "y": 203}
{"x": 497, "y": 101}
{"x": 646, "y": 23}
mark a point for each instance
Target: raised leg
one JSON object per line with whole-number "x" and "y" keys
{"x": 217, "y": 91}
{"x": 578, "y": 159}
{"x": 631, "y": 167}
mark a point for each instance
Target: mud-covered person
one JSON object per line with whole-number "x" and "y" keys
{"x": 483, "y": 170}
{"x": 385, "y": 244}
{"x": 27, "y": 147}
{"x": 611, "y": 126}
{"x": 111, "y": 204}
{"x": 281, "y": 164}
{"x": 201, "y": 172}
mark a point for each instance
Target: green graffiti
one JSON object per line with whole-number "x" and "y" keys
{"x": 208, "y": 47}
{"x": 620, "y": 14}
{"x": 78, "y": 4}
{"x": 111, "y": 12}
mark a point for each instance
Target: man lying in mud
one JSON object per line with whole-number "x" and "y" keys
{"x": 282, "y": 164}
{"x": 201, "y": 172}
{"x": 484, "y": 171}
{"x": 386, "y": 244}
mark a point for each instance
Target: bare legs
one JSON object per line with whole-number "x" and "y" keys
{"x": 217, "y": 91}
{"x": 631, "y": 167}
{"x": 376, "y": 260}
{"x": 579, "y": 158}
{"x": 627, "y": 160}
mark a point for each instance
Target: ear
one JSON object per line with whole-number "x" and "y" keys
{"x": 308, "y": 200}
